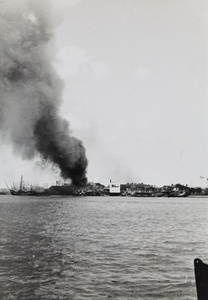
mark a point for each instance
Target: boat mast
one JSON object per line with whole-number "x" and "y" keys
{"x": 21, "y": 181}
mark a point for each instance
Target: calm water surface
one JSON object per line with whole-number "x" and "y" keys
{"x": 101, "y": 247}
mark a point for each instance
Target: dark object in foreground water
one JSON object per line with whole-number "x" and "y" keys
{"x": 201, "y": 276}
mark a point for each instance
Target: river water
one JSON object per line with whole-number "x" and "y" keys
{"x": 101, "y": 247}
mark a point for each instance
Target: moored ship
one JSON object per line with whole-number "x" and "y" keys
{"x": 24, "y": 191}
{"x": 115, "y": 189}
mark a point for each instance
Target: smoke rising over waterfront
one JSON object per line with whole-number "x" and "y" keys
{"x": 31, "y": 90}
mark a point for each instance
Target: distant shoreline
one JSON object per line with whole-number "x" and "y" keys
{"x": 197, "y": 196}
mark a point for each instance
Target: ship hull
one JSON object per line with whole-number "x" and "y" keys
{"x": 26, "y": 193}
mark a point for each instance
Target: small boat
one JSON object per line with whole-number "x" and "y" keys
{"x": 178, "y": 194}
{"x": 183, "y": 194}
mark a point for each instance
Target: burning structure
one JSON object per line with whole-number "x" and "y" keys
{"x": 31, "y": 90}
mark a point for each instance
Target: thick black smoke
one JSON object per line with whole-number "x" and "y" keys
{"x": 31, "y": 90}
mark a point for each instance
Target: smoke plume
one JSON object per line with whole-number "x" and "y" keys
{"x": 31, "y": 90}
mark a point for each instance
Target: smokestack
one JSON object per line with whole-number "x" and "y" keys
{"x": 31, "y": 90}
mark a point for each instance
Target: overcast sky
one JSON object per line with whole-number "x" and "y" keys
{"x": 135, "y": 93}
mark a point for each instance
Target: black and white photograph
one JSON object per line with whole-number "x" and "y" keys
{"x": 103, "y": 150}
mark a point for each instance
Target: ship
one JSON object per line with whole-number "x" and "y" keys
{"x": 24, "y": 191}
{"x": 114, "y": 189}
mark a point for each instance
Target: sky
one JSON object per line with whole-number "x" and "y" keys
{"x": 135, "y": 91}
